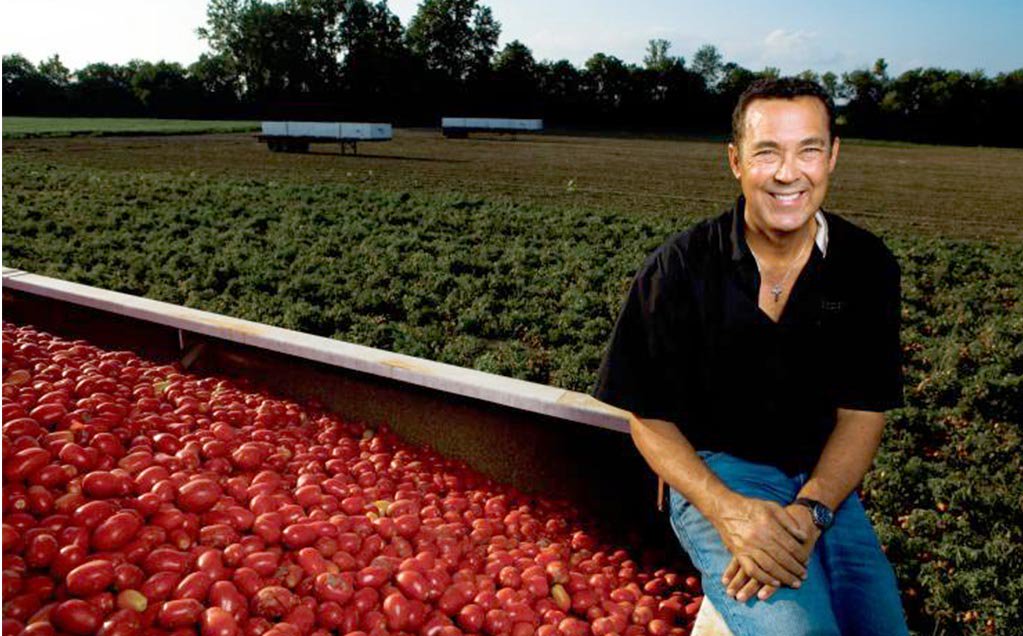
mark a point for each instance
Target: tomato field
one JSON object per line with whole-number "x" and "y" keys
{"x": 29, "y": 127}
{"x": 512, "y": 256}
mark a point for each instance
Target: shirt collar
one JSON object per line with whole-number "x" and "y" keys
{"x": 738, "y": 233}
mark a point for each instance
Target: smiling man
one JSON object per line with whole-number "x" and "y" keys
{"x": 759, "y": 350}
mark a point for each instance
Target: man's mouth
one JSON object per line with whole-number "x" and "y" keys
{"x": 788, "y": 197}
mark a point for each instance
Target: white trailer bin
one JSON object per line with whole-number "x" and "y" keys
{"x": 295, "y": 136}
{"x": 460, "y": 127}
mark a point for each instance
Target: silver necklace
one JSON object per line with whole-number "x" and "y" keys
{"x": 778, "y": 287}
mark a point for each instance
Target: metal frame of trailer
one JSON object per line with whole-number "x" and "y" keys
{"x": 537, "y": 438}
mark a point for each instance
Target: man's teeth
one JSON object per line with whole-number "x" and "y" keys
{"x": 787, "y": 197}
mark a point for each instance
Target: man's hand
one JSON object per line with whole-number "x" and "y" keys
{"x": 742, "y": 585}
{"x": 767, "y": 542}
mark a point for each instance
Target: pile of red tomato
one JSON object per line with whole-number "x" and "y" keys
{"x": 138, "y": 499}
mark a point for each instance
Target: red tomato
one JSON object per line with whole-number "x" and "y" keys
{"x": 371, "y": 576}
{"x": 218, "y": 622}
{"x": 101, "y": 484}
{"x": 25, "y": 463}
{"x": 334, "y": 587}
{"x": 471, "y": 617}
{"x": 124, "y": 622}
{"x": 116, "y": 531}
{"x": 90, "y": 578}
{"x": 273, "y": 602}
{"x": 40, "y": 552}
{"x": 413, "y": 584}
{"x": 160, "y": 586}
{"x": 180, "y": 613}
{"x": 75, "y": 616}
{"x": 166, "y": 560}
{"x": 198, "y": 495}
{"x": 195, "y": 586}
{"x": 300, "y": 535}
{"x": 225, "y": 595}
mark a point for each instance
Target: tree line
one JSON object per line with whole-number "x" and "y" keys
{"x": 354, "y": 60}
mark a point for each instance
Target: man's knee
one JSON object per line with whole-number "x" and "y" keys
{"x": 802, "y": 612}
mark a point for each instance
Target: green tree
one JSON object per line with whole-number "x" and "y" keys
{"x": 105, "y": 89}
{"x": 831, "y": 84}
{"x": 865, "y": 89}
{"x": 164, "y": 88}
{"x": 278, "y": 49}
{"x": 376, "y": 65}
{"x": 456, "y": 38}
{"x": 657, "y": 58}
{"x": 708, "y": 64}
{"x": 55, "y": 72}
{"x": 607, "y": 79}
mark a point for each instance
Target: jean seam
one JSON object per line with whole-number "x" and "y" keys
{"x": 736, "y": 623}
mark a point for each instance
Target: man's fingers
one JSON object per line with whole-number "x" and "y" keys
{"x": 733, "y": 567}
{"x": 794, "y": 569}
{"x": 738, "y": 581}
{"x": 766, "y": 592}
{"x": 774, "y": 572}
{"x": 788, "y": 543}
{"x": 790, "y": 523}
{"x": 748, "y": 591}
{"x": 754, "y": 567}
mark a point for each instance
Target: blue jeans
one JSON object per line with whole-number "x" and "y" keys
{"x": 850, "y": 587}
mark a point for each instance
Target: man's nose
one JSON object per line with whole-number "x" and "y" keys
{"x": 786, "y": 172}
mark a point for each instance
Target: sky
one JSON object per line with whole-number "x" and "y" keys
{"x": 792, "y": 36}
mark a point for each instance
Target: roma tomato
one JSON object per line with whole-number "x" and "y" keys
{"x": 90, "y": 578}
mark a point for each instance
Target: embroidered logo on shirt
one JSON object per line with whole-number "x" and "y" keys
{"x": 832, "y": 306}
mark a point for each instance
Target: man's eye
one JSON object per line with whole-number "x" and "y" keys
{"x": 812, "y": 151}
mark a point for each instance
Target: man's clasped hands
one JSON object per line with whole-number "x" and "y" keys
{"x": 770, "y": 546}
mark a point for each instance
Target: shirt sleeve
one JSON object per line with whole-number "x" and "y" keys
{"x": 874, "y": 381}
{"x": 633, "y": 374}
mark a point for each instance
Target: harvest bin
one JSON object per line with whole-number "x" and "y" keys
{"x": 540, "y": 439}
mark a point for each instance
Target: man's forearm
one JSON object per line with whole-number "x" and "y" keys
{"x": 670, "y": 455}
{"x": 846, "y": 457}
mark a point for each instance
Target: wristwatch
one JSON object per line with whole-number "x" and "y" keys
{"x": 823, "y": 517}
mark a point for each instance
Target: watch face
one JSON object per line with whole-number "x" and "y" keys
{"x": 822, "y": 516}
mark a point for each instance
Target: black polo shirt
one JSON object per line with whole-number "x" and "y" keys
{"x": 692, "y": 346}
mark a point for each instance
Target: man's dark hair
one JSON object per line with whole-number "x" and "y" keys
{"x": 780, "y": 88}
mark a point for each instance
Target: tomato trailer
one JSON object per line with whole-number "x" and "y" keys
{"x": 295, "y": 136}
{"x": 460, "y": 127}
{"x": 539, "y": 439}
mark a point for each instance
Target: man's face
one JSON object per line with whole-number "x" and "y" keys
{"x": 783, "y": 162}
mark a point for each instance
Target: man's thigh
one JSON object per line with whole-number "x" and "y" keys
{"x": 789, "y": 611}
{"x": 851, "y": 547}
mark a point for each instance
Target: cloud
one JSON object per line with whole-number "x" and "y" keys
{"x": 794, "y": 51}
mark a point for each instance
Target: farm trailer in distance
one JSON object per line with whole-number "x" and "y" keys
{"x": 538, "y": 438}
{"x": 460, "y": 127}
{"x": 295, "y": 136}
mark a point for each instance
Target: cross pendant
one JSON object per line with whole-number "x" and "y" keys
{"x": 776, "y": 290}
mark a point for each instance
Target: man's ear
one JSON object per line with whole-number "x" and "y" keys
{"x": 833, "y": 159}
{"x": 733, "y": 160}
